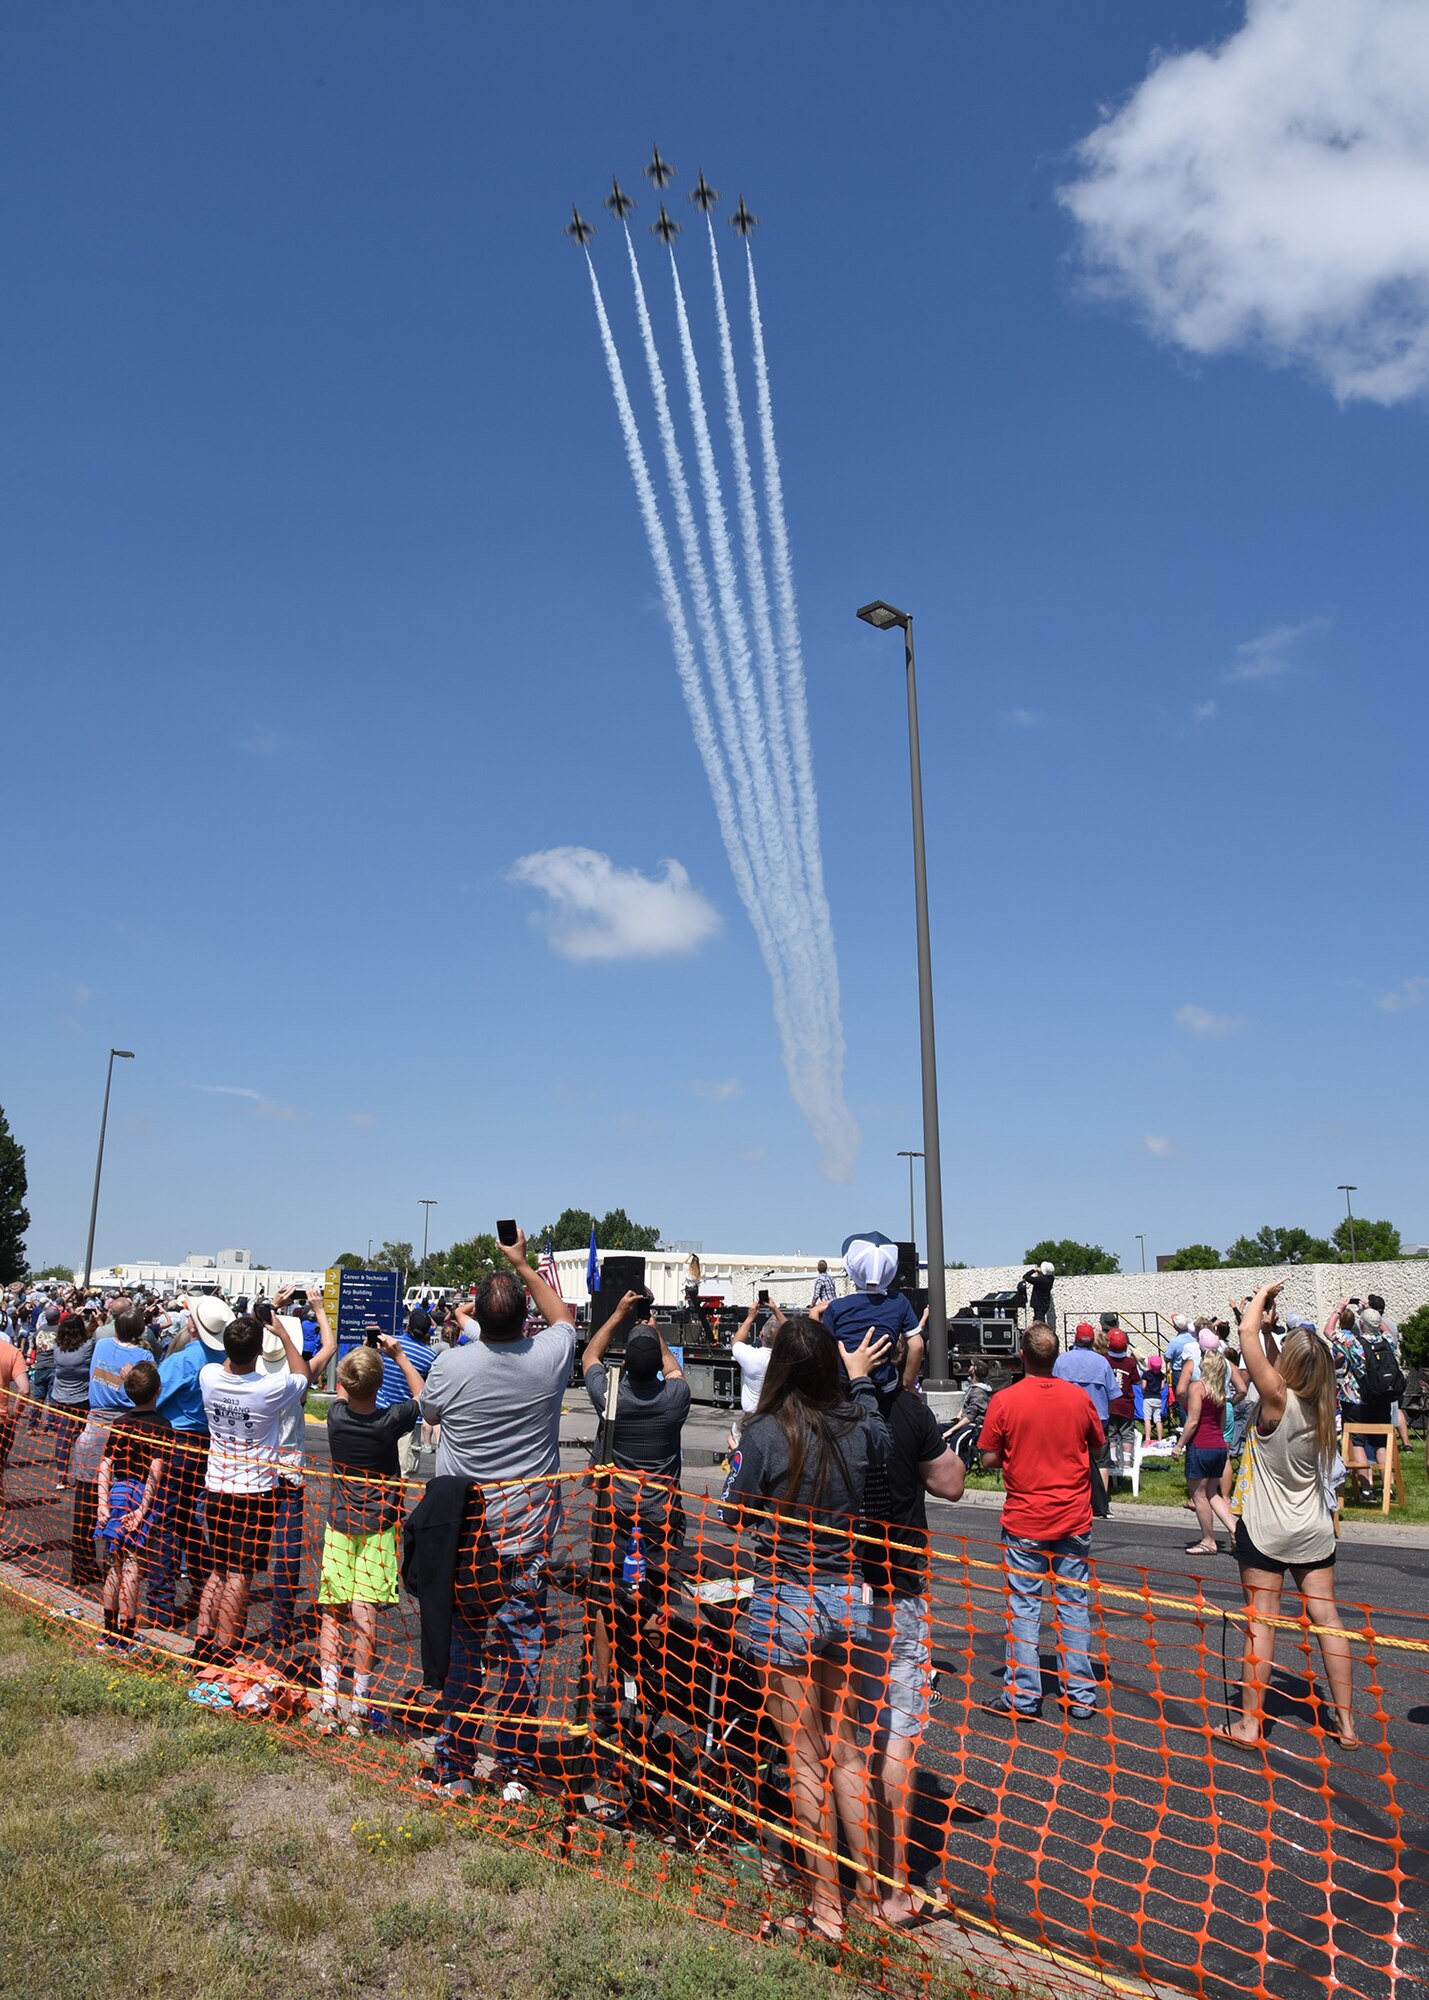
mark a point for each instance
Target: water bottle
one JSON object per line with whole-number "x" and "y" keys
{"x": 632, "y": 1570}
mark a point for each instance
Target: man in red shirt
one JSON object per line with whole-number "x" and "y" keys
{"x": 1043, "y": 1433}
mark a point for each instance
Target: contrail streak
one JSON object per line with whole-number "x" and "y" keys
{"x": 789, "y": 904}
{"x": 686, "y": 664}
{"x": 763, "y": 627}
{"x": 797, "y": 709}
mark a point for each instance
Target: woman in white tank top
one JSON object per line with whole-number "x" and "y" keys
{"x": 1285, "y": 1504}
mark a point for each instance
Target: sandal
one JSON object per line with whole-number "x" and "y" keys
{"x": 1203, "y": 1548}
{"x": 1223, "y": 1733}
{"x": 799, "y": 1928}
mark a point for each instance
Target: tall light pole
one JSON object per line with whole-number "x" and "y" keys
{"x": 1142, "y": 1241}
{"x": 426, "y": 1208}
{"x": 1347, "y": 1188}
{"x": 882, "y": 616}
{"x": 912, "y": 1223}
{"x": 369, "y": 1251}
{"x": 124, "y": 1055}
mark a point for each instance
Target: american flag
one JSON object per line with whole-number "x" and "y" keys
{"x": 547, "y": 1270}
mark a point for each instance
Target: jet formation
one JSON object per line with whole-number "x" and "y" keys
{"x": 660, "y": 174}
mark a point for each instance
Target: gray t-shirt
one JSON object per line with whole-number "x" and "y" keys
{"x": 649, "y": 1417}
{"x": 499, "y": 1405}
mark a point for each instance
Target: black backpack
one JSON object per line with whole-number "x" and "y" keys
{"x": 1382, "y": 1379}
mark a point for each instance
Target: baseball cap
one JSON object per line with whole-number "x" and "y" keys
{"x": 1116, "y": 1339}
{"x": 1085, "y": 1332}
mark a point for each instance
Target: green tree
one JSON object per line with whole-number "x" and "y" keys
{"x": 465, "y": 1263}
{"x": 395, "y": 1257}
{"x": 1414, "y": 1338}
{"x": 570, "y": 1230}
{"x": 14, "y": 1216}
{"x": 1374, "y": 1242}
{"x": 615, "y": 1231}
{"x": 348, "y": 1261}
{"x": 60, "y": 1274}
{"x": 1280, "y": 1246}
{"x": 1073, "y": 1260}
{"x": 1194, "y": 1257}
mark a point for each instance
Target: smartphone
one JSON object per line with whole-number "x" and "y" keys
{"x": 263, "y": 1312}
{"x": 764, "y": 1298}
{"x": 370, "y": 1333}
{"x": 300, "y": 1298}
{"x": 506, "y": 1233}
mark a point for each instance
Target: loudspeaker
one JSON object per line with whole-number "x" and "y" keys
{"x": 619, "y": 1274}
{"x": 908, "y": 1273}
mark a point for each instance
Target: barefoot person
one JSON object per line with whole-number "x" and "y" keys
{"x": 1204, "y": 1442}
{"x": 1286, "y": 1520}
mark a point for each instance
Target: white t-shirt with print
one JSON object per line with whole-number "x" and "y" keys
{"x": 245, "y": 1425}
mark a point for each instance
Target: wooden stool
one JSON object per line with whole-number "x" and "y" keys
{"x": 1388, "y": 1467}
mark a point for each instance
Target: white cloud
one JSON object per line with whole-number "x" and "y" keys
{"x": 1271, "y": 194}
{"x": 361, "y": 1118}
{"x": 83, "y": 993}
{"x": 228, "y": 1090}
{"x": 1204, "y": 711}
{"x": 719, "y": 1093}
{"x": 1023, "y": 718}
{"x": 1268, "y": 656}
{"x": 1201, "y": 1021}
{"x": 263, "y": 740}
{"x": 1159, "y": 1147}
{"x": 600, "y": 911}
{"x": 1410, "y": 993}
{"x": 754, "y": 1154}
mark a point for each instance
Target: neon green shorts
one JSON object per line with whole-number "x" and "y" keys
{"x": 359, "y": 1569}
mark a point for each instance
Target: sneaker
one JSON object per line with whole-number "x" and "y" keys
{"x": 1004, "y": 1707}
{"x": 430, "y": 1779}
{"x": 1081, "y": 1711}
{"x": 356, "y": 1725}
{"x": 324, "y": 1722}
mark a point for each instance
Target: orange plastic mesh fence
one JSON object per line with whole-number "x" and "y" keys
{"x": 644, "y": 1708}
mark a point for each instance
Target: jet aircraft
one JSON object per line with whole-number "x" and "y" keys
{"x": 667, "y": 229}
{"x": 659, "y": 172}
{"x": 742, "y": 220}
{"x": 618, "y": 201}
{"x": 578, "y": 229}
{"x": 703, "y": 195}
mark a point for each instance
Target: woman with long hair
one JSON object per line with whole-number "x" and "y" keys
{"x": 1203, "y": 1439}
{"x": 806, "y": 1454}
{"x": 69, "y": 1389}
{"x": 1285, "y": 1502}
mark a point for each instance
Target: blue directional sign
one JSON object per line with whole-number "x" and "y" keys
{"x": 366, "y": 1298}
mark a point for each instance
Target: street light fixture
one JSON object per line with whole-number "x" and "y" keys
{"x": 124, "y": 1055}
{"x": 882, "y": 616}
{"x": 1347, "y": 1188}
{"x": 426, "y": 1208}
{"x": 1142, "y": 1241}
{"x": 912, "y": 1224}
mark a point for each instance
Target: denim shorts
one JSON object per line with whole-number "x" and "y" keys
{"x": 791, "y": 1623}
{"x": 894, "y": 1686}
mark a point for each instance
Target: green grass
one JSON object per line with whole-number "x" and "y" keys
{"x": 1163, "y": 1484}
{"x": 153, "y": 1850}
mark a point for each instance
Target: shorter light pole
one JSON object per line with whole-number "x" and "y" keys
{"x": 426, "y": 1208}
{"x": 912, "y": 1220}
{"x": 1347, "y": 1188}
{"x": 124, "y": 1055}
{"x": 1142, "y": 1241}
{"x": 369, "y": 1252}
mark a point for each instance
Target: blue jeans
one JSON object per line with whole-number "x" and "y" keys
{"x": 180, "y": 1523}
{"x": 285, "y": 1561}
{"x": 508, "y": 1648}
{"x": 1027, "y": 1563}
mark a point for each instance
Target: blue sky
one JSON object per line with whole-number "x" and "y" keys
{"x": 324, "y": 600}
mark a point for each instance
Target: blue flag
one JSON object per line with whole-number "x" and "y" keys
{"x": 592, "y": 1268}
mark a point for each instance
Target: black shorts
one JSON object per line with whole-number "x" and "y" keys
{"x": 1250, "y": 1557}
{"x": 239, "y": 1527}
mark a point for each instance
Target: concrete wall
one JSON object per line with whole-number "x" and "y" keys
{"x": 1309, "y": 1288}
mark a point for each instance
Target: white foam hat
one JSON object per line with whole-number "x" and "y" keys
{"x": 210, "y": 1316}
{"x": 1048, "y": 1270}
{"x": 871, "y": 1265}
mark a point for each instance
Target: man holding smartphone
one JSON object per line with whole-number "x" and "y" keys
{"x": 498, "y": 1401}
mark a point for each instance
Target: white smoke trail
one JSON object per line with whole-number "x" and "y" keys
{"x": 686, "y": 665}
{"x": 843, "y": 1141}
{"x": 705, "y": 620}
{"x": 786, "y": 901}
{"x": 760, "y": 618}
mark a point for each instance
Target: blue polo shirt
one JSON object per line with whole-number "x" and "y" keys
{"x": 180, "y": 1399}
{"x": 110, "y": 1358}
{"x": 394, "y": 1389}
{"x": 849, "y": 1318}
{"x": 1090, "y": 1371}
